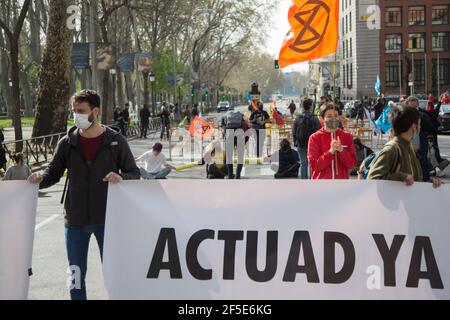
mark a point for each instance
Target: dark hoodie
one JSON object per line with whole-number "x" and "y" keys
{"x": 85, "y": 202}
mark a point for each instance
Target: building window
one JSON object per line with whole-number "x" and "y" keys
{"x": 351, "y": 75}
{"x": 416, "y": 16}
{"x": 439, "y": 15}
{"x": 393, "y": 43}
{"x": 416, "y": 42}
{"x": 419, "y": 72}
{"x": 346, "y": 24}
{"x": 343, "y": 75}
{"x": 350, "y": 18}
{"x": 444, "y": 76}
{"x": 393, "y": 17}
{"x": 348, "y": 76}
{"x": 392, "y": 74}
{"x": 440, "y": 41}
{"x": 343, "y": 26}
{"x": 346, "y": 47}
{"x": 351, "y": 48}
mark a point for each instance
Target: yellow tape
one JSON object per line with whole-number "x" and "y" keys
{"x": 187, "y": 166}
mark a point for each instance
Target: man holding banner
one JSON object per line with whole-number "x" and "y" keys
{"x": 93, "y": 155}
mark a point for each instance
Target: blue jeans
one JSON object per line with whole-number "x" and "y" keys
{"x": 158, "y": 175}
{"x": 303, "y": 155}
{"x": 77, "y": 245}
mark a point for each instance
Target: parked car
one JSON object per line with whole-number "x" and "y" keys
{"x": 444, "y": 118}
{"x": 223, "y": 106}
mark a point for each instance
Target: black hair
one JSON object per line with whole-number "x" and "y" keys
{"x": 285, "y": 145}
{"x": 325, "y": 107}
{"x": 87, "y": 95}
{"x": 403, "y": 118}
{"x": 307, "y": 104}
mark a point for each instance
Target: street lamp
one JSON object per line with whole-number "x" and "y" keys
{"x": 10, "y": 83}
{"x": 113, "y": 74}
{"x": 152, "y": 79}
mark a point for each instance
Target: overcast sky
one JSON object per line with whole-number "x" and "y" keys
{"x": 280, "y": 28}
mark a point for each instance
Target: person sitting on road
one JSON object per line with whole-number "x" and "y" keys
{"x": 152, "y": 162}
{"x": 18, "y": 171}
{"x": 215, "y": 160}
{"x": 362, "y": 152}
{"x": 288, "y": 161}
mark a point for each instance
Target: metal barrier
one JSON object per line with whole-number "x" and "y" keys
{"x": 39, "y": 150}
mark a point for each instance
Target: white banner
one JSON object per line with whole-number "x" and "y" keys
{"x": 269, "y": 239}
{"x": 18, "y": 201}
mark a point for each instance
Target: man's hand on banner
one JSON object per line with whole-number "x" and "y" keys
{"x": 113, "y": 178}
{"x": 437, "y": 183}
{"x": 35, "y": 178}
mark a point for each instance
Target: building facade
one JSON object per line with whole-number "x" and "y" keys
{"x": 358, "y": 53}
{"x": 414, "y": 46}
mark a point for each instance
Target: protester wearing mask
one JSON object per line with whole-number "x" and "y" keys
{"x": 397, "y": 161}
{"x": 331, "y": 153}
{"x": 420, "y": 141}
{"x": 93, "y": 155}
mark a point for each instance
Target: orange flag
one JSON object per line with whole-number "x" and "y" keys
{"x": 201, "y": 128}
{"x": 254, "y": 106}
{"x": 314, "y": 31}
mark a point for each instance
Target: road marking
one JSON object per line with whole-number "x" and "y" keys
{"x": 46, "y": 221}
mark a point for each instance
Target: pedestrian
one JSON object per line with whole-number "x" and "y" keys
{"x": 144, "y": 115}
{"x": 258, "y": 119}
{"x": 3, "y": 160}
{"x": 397, "y": 161}
{"x": 19, "y": 170}
{"x": 304, "y": 127}
{"x": 94, "y": 156}
{"x": 125, "y": 119}
{"x": 445, "y": 98}
{"x": 165, "y": 121}
{"x": 177, "y": 114}
{"x": 433, "y": 113}
{"x": 420, "y": 142}
{"x": 292, "y": 107}
{"x": 331, "y": 153}
{"x": 384, "y": 121}
{"x": 152, "y": 163}
{"x": 234, "y": 127}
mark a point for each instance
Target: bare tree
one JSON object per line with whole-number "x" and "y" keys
{"x": 13, "y": 36}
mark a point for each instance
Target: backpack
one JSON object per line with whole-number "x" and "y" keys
{"x": 304, "y": 130}
{"x": 367, "y": 162}
{"x": 234, "y": 120}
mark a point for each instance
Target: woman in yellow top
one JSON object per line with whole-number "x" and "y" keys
{"x": 397, "y": 161}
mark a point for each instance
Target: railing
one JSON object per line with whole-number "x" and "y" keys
{"x": 39, "y": 150}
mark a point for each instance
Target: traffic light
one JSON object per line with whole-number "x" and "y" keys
{"x": 193, "y": 93}
{"x": 206, "y": 94}
{"x": 277, "y": 66}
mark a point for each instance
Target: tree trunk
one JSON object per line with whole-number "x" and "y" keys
{"x": 14, "y": 48}
{"x": 54, "y": 78}
{"x": 105, "y": 97}
{"x": 146, "y": 93}
{"x": 119, "y": 87}
{"x": 27, "y": 94}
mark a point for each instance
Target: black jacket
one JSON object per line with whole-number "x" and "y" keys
{"x": 85, "y": 202}
{"x": 145, "y": 115}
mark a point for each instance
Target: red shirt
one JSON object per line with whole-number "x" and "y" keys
{"x": 89, "y": 146}
{"x": 323, "y": 163}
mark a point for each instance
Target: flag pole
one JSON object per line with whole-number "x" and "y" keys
{"x": 334, "y": 102}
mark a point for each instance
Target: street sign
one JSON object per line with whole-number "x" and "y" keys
{"x": 80, "y": 55}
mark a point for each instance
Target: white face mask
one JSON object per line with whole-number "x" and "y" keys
{"x": 82, "y": 121}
